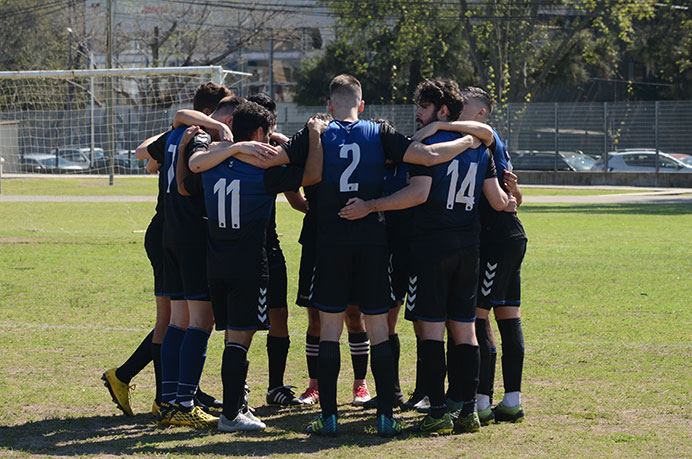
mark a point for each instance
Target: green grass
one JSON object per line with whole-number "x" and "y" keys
{"x": 80, "y": 186}
{"x": 606, "y": 315}
{"x": 537, "y": 191}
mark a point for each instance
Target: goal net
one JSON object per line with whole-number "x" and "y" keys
{"x": 91, "y": 121}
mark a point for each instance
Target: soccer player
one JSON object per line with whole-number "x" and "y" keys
{"x": 352, "y": 257}
{"x": 503, "y": 245}
{"x": 117, "y": 380}
{"x": 443, "y": 272}
{"x": 239, "y": 200}
{"x": 184, "y": 346}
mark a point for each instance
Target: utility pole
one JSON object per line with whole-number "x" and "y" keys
{"x": 109, "y": 88}
{"x": 271, "y": 63}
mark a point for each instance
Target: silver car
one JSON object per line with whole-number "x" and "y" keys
{"x": 641, "y": 160}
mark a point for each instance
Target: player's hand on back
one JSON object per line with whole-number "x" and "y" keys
{"x": 190, "y": 133}
{"x": 254, "y": 152}
{"x": 317, "y": 124}
{"x": 224, "y": 133}
{"x": 426, "y": 131}
{"x": 510, "y": 181}
{"x": 355, "y": 209}
{"x": 511, "y": 205}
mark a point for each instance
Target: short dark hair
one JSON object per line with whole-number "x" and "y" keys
{"x": 476, "y": 93}
{"x": 208, "y": 95}
{"x": 227, "y": 105}
{"x": 265, "y": 101}
{"x": 347, "y": 87}
{"x": 439, "y": 93}
{"x": 247, "y": 117}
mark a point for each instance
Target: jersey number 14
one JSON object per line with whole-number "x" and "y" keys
{"x": 465, "y": 194}
{"x": 222, "y": 191}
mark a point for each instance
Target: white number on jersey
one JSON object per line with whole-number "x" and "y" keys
{"x": 343, "y": 181}
{"x": 466, "y": 192}
{"x": 171, "y": 170}
{"x": 222, "y": 191}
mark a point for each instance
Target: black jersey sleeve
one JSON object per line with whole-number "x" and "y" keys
{"x": 157, "y": 149}
{"x": 416, "y": 170}
{"x": 283, "y": 178}
{"x": 492, "y": 171}
{"x": 297, "y": 147}
{"x": 493, "y": 147}
{"x": 394, "y": 143}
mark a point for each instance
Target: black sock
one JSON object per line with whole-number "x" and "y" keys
{"x": 433, "y": 356}
{"x": 277, "y": 352}
{"x": 396, "y": 353}
{"x": 454, "y": 371}
{"x": 469, "y": 360}
{"x": 493, "y": 364}
{"x": 419, "y": 371}
{"x": 512, "y": 353}
{"x": 327, "y": 375}
{"x": 137, "y": 361}
{"x": 233, "y": 373}
{"x": 312, "y": 352}
{"x": 156, "y": 357}
{"x": 485, "y": 383}
{"x": 360, "y": 346}
{"x": 382, "y": 363}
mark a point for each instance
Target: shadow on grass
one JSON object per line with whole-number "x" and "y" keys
{"x": 118, "y": 435}
{"x": 611, "y": 209}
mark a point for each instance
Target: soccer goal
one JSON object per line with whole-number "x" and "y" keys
{"x": 91, "y": 121}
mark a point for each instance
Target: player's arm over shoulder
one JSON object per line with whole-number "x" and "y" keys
{"x": 492, "y": 190}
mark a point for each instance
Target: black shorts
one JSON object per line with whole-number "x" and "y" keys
{"x": 500, "y": 272}
{"x": 398, "y": 269}
{"x": 306, "y": 275}
{"x": 153, "y": 244}
{"x": 240, "y": 304}
{"x": 442, "y": 287}
{"x": 185, "y": 273}
{"x": 278, "y": 282}
{"x": 350, "y": 274}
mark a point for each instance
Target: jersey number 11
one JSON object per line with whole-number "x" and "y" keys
{"x": 222, "y": 191}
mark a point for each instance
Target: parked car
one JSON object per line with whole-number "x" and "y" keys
{"x": 545, "y": 160}
{"x": 49, "y": 164}
{"x": 73, "y": 155}
{"x": 126, "y": 163}
{"x": 641, "y": 160}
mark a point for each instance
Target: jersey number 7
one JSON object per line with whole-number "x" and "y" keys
{"x": 222, "y": 191}
{"x": 465, "y": 194}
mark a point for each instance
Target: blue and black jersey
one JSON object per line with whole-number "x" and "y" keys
{"x": 396, "y": 177}
{"x": 354, "y": 161}
{"x": 239, "y": 198}
{"x": 449, "y": 218}
{"x": 184, "y": 224}
{"x": 500, "y": 223}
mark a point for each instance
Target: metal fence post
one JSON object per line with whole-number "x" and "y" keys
{"x": 656, "y": 106}
{"x": 509, "y": 128}
{"x": 605, "y": 137}
{"x": 557, "y": 136}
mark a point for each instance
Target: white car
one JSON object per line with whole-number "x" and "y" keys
{"x": 641, "y": 160}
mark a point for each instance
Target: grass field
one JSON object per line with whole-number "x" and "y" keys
{"x": 606, "y": 313}
{"x": 146, "y": 185}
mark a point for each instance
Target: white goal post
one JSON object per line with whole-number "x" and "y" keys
{"x": 90, "y": 121}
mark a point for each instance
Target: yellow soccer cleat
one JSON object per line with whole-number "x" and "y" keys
{"x": 192, "y": 417}
{"x": 119, "y": 390}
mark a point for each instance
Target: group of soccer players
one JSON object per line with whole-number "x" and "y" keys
{"x": 429, "y": 222}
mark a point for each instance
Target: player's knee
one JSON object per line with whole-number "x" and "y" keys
{"x": 354, "y": 320}
{"x": 278, "y": 321}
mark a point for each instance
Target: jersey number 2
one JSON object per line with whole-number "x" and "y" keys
{"x": 465, "y": 194}
{"x": 344, "y": 185}
{"x": 222, "y": 191}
